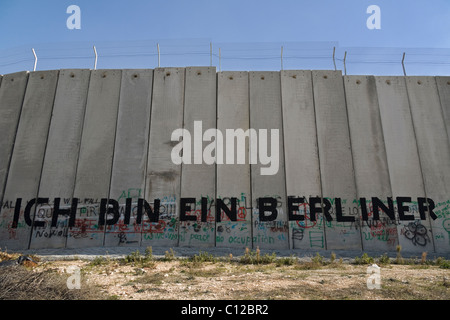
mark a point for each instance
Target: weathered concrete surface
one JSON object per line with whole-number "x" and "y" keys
{"x": 369, "y": 160}
{"x": 27, "y": 158}
{"x": 163, "y": 176}
{"x": 443, "y": 84}
{"x": 199, "y": 180}
{"x": 130, "y": 155}
{"x": 403, "y": 159}
{"x": 301, "y": 156}
{"x": 12, "y": 91}
{"x": 233, "y": 181}
{"x": 336, "y": 164}
{"x": 96, "y": 156}
{"x": 61, "y": 157}
{"x": 266, "y": 114}
{"x": 93, "y": 135}
{"x": 434, "y": 152}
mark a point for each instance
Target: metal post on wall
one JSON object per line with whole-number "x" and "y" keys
{"x": 210, "y": 54}
{"x": 96, "y": 58}
{"x": 159, "y": 56}
{"x": 403, "y": 64}
{"x": 35, "y": 59}
{"x": 334, "y": 60}
{"x": 345, "y": 67}
{"x": 220, "y": 60}
{"x": 281, "y": 57}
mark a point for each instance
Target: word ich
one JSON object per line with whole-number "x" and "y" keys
{"x": 267, "y": 208}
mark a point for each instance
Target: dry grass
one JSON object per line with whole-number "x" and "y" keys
{"x": 30, "y": 282}
{"x": 24, "y": 283}
{"x": 206, "y": 277}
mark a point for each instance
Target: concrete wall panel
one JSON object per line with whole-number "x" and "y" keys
{"x": 199, "y": 180}
{"x": 27, "y": 158}
{"x": 403, "y": 159}
{"x": 130, "y": 154}
{"x": 443, "y": 84}
{"x": 107, "y": 134}
{"x": 61, "y": 157}
{"x": 96, "y": 156}
{"x": 233, "y": 180}
{"x": 369, "y": 160}
{"x": 434, "y": 153}
{"x": 301, "y": 156}
{"x": 335, "y": 156}
{"x": 163, "y": 176}
{"x": 266, "y": 114}
{"x": 12, "y": 92}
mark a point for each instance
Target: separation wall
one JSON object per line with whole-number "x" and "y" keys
{"x": 90, "y": 158}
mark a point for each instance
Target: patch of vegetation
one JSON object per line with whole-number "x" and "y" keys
{"x": 384, "y": 259}
{"x": 137, "y": 259}
{"x": 286, "y": 261}
{"x": 98, "y": 261}
{"x": 22, "y": 283}
{"x": 255, "y": 257}
{"x": 169, "y": 255}
{"x": 316, "y": 263}
{"x": 442, "y": 263}
{"x": 203, "y": 257}
{"x": 364, "y": 259}
{"x": 399, "y": 259}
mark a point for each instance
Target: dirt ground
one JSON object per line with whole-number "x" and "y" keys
{"x": 222, "y": 280}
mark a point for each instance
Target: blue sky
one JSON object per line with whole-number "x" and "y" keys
{"x": 126, "y": 32}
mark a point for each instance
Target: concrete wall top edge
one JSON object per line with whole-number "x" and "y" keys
{"x": 320, "y": 72}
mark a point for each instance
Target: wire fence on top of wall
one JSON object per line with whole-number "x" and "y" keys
{"x": 227, "y": 56}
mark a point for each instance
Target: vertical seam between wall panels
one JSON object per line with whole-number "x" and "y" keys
{"x": 112, "y": 158}
{"x": 149, "y": 121}
{"x": 290, "y": 245}
{"x": 385, "y": 150}
{"x": 43, "y": 160}
{"x": 249, "y": 162}
{"x": 318, "y": 157}
{"x": 418, "y": 153}
{"x": 14, "y": 140}
{"x": 215, "y": 165}
{"x": 353, "y": 165}
{"x": 182, "y": 164}
{"x": 79, "y": 149}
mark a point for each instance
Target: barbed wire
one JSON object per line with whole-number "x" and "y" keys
{"x": 228, "y": 56}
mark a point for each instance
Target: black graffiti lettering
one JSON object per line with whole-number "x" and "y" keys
{"x": 402, "y": 208}
{"x": 204, "y": 211}
{"x": 267, "y": 205}
{"x": 339, "y": 216}
{"x": 127, "y": 210}
{"x": 326, "y": 209}
{"x": 153, "y": 215}
{"x": 73, "y": 212}
{"x": 185, "y": 206}
{"x": 16, "y": 213}
{"x": 230, "y": 212}
{"x": 105, "y": 209}
{"x": 363, "y": 205}
{"x": 27, "y": 213}
{"x": 423, "y": 208}
{"x": 378, "y": 204}
{"x": 110, "y": 211}
{"x": 313, "y": 201}
{"x": 293, "y": 204}
{"x": 57, "y": 211}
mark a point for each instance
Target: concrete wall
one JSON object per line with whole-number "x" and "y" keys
{"x": 86, "y": 160}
